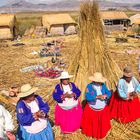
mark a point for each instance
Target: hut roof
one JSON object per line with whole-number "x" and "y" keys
{"x": 135, "y": 19}
{"x": 56, "y": 19}
{"x": 112, "y": 15}
{"x": 7, "y": 20}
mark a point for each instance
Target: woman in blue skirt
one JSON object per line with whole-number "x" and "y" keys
{"x": 32, "y": 116}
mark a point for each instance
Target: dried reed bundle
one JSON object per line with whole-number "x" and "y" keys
{"x": 93, "y": 54}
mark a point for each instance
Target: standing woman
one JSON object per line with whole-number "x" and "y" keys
{"x": 68, "y": 111}
{"x": 125, "y": 103}
{"x": 96, "y": 117}
{"x": 32, "y": 116}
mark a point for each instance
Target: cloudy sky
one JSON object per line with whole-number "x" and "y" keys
{"x": 3, "y": 2}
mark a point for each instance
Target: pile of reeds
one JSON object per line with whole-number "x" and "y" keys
{"x": 93, "y": 53}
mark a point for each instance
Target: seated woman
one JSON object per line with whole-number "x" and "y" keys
{"x": 96, "y": 117}
{"x": 68, "y": 111}
{"x": 32, "y": 116}
{"x": 125, "y": 103}
{"x": 6, "y": 125}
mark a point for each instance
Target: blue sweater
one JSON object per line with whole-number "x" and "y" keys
{"x": 24, "y": 115}
{"x": 91, "y": 93}
{"x": 123, "y": 88}
{"x": 58, "y": 92}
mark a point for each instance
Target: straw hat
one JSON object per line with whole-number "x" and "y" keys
{"x": 65, "y": 75}
{"x": 97, "y": 77}
{"x": 127, "y": 71}
{"x": 27, "y": 90}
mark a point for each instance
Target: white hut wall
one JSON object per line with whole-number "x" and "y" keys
{"x": 5, "y": 33}
{"x": 56, "y": 30}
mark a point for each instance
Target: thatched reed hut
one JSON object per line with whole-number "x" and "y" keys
{"x": 135, "y": 24}
{"x": 114, "y": 20}
{"x": 8, "y": 26}
{"x": 59, "y": 24}
{"x": 135, "y": 19}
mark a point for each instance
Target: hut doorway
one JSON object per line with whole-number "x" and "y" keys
{"x": 69, "y": 29}
{"x": 65, "y": 27}
{"x": 14, "y": 33}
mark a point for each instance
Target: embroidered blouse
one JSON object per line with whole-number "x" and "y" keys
{"x": 123, "y": 87}
{"x": 59, "y": 92}
{"x": 92, "y": 92}
{"x": 38, "y": 125}
{"x": 24, "y": 113}
{"x": 68, "y": 103}
{"x": 100, "y": 104}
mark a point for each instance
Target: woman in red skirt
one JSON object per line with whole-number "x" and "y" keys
{"x": 96, "y": 118}
{"x": 124, "y": 103}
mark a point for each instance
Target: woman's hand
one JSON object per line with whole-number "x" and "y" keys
{"x": 67, "y": 95}
{"x": 41, "y": 114}
{"x": 35, "y": 116}
{"x": 102, "y": 97}
{"x": 132, "y": 95}
{"x": 135, "y": 94}
{"x": 10, "y": 135}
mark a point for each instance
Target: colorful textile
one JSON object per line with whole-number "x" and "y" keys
{"x": 49, "y": 73}
{"x": 31, "y": 68}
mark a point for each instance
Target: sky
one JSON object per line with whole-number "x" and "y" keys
{"x": 126, "y": 1}
{"x": 43, "y": 1}
{"x": 4, "y": 2}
